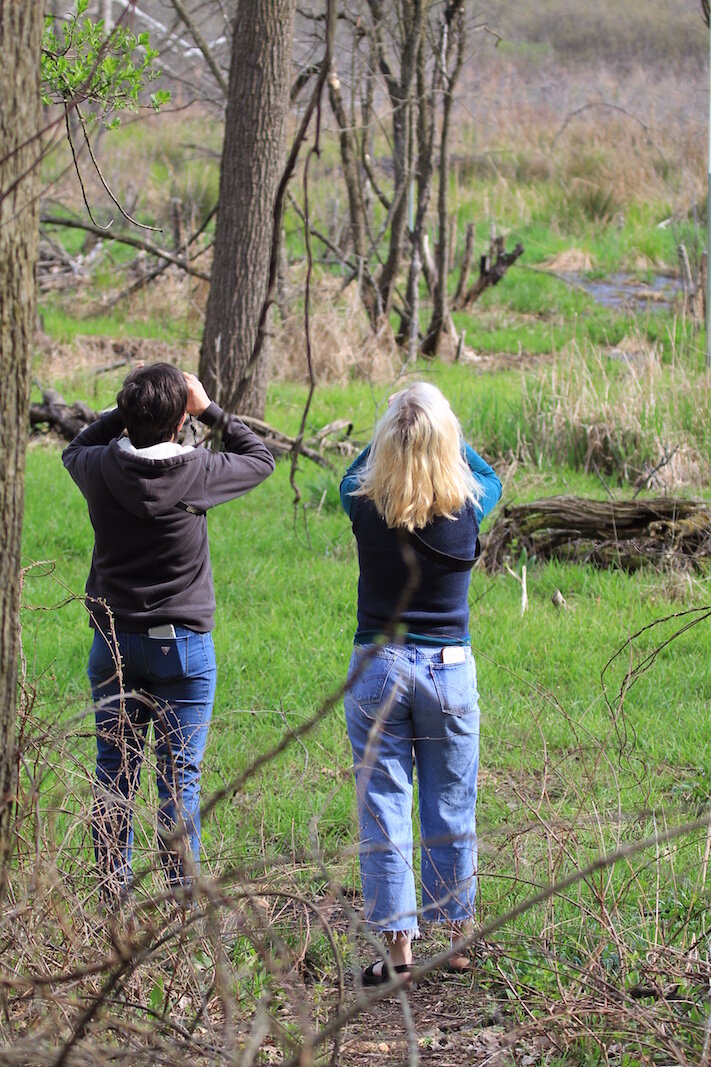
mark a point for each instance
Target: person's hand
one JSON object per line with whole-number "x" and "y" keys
{"x": 198, "y": 400}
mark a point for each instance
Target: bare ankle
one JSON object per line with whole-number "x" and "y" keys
{"x": 399, "y": 948}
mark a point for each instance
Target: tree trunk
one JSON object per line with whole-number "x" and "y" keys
{"x": 356, "y": 207}
{"x": 425, "y": 130}
{"x": 20, "y": 36}
{"x": 454, "y": 26}
{"x": 252, "y": 154}
{"x": 400, "y": 94}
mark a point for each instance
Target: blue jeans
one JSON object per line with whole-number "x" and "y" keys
{"x": 400, "y": 702}
{"x": 170, "y": 682}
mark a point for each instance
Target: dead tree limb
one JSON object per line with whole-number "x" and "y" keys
{"x": 64, "y": 419}
{"x": 126, "y": 239}
{"x": 608, "y": 533}
{"x": 492, "y": 268}
{"x": 67, "y": 420}
{"x": 466, "y": 266}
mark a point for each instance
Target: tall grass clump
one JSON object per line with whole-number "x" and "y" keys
{"x": 620, "y": 413}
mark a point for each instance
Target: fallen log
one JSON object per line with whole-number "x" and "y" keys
{"x": 56, "y": 415}
{"x": 608, "y": 533}
{"x": 64, "y": 419}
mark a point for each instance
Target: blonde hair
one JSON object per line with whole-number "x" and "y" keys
{"x": 416, "y": 469}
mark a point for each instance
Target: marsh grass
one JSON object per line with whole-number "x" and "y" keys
{"x": 620, "y": 413}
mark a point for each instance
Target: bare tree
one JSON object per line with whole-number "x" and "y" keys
{"x": 399, "y": 84}
{"x": 20, "y": 38}
{"x": 409, "y": 55}
{"x": 252, "y": 155}
{"x": 452, "y": 44}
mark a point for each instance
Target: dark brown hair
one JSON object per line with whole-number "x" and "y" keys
{"x": 152, "y": 401}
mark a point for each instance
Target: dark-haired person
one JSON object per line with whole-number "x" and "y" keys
{"x": 151, "y": 603}
{"x": 415, "y": 497}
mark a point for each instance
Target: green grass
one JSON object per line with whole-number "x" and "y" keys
{"x": 568, "y": 770}
{"x": 286, "y": 588}
{"x": 63, "y": 325}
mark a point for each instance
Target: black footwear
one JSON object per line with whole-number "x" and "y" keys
{"x": 369, "y": 977}
{"x": 468, "y": 968}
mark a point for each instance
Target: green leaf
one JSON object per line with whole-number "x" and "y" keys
{"x": 155, "y": 1000}
{"x": 80, "y": 62}
{"x": 160, "y": 97}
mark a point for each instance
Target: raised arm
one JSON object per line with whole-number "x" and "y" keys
{"x": 77, "y": 454}
{"x": 350, "y": 481}
{"x": 246, "y": 460}
{"x": 487, "y": 480}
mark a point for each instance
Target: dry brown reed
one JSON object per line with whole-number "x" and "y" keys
{"x": 605, "y": 140}
{"x": 620, "y": 413}
{"x": 344, "y": 347}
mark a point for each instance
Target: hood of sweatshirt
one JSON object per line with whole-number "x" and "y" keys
{"x": 149, "y": 487}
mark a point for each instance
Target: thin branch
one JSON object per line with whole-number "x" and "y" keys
{"x": 102, "y": 179}
{"x": 202, "y": 44}
{"x": 342, "y": 259}
{"x": 307, "y": 310}
{"x": 547, "y": 892}
{"x": 127, "y": 239}
{"x": 75, "y": 161}
{"x": 612, "y": 107}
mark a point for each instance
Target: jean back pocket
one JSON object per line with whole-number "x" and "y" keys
{"x": 455, "y": 684}
{"x": 165, "y": 657}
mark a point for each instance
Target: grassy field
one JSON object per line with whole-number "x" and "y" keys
{"x": 595, "y": 722}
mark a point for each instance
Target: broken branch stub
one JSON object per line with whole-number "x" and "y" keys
{"x": 492, "y": 268}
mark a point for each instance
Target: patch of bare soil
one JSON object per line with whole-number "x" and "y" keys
{"x": 450, "y": 1020}
{"x": 451, "y": 1023}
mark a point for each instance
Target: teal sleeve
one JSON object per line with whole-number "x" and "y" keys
{"x": 350, "y": 481}
{"x": 487, "y": 480}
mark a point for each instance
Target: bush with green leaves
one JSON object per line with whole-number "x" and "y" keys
{"x": 82, "y": 63}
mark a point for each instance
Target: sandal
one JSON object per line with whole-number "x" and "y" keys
{"x": 369, "y": 977}
{"x": 465, "y": 968}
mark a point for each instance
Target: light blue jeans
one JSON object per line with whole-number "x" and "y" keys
{"x": 404, "y": 701}
{"x": 170, "y": 682}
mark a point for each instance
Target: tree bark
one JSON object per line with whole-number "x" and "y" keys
{"x": 20, "y": 37}
{"x": 454, "y": 26}
{"x": 400, "y": 94}
{"x": 252, "y": 154}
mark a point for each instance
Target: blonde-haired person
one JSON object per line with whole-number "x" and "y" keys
{"x": 415, "y": 497}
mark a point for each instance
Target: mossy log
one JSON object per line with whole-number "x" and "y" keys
{"x": 608, "y": 533}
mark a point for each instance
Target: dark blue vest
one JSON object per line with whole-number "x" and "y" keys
{"x": 418, "y": 582}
